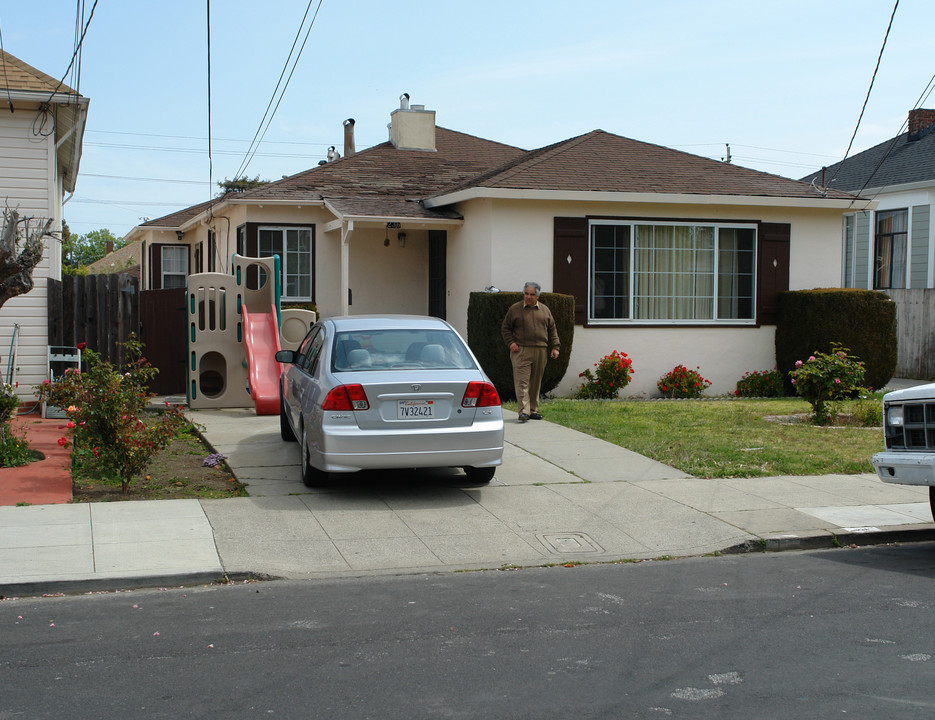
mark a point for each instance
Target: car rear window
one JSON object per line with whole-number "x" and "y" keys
{"x": 399, "y": 350}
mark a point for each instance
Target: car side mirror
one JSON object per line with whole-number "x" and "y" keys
{"x": 285, "y": 356}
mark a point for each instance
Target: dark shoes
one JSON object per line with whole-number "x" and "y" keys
{"x": 523, "y": 417}
{"x": 535, "y": 416}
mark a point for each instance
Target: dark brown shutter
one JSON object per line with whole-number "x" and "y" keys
{"x": 773, "y": 269}
{"x": 155, "y": 266}
{"x": 570, "y": 262}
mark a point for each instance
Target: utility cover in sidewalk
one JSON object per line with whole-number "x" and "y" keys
{"x": 573, "y": 542}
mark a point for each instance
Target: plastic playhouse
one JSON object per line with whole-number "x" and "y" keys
{"x": 235, "y": 328}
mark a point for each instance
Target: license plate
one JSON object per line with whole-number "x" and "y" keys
{"x": 415, "y": 410}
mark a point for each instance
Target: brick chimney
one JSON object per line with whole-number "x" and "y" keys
{"x": 920, "y": 123}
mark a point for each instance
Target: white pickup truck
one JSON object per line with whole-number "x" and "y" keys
{"x": 909, "y": 435}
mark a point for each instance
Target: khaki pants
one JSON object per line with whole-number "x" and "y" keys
{"x": 528, "y": 367}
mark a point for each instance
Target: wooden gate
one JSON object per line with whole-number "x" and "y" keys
{"x": 162, "y": 331}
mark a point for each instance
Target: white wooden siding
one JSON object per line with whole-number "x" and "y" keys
{"x": 28, "y": 183}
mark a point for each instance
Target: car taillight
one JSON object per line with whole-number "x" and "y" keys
{"x": 346, "y": 397}
{"x": 480, "y": 394}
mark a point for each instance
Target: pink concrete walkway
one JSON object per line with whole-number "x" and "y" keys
{"x": 45, "y": 481}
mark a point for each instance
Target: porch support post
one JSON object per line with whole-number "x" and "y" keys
{"x": 347, "y": 230}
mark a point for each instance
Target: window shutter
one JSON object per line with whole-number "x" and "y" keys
{"x": 773, "y": 269}
{"x": 570, "y": 262}
{"x": 155, "y": 266}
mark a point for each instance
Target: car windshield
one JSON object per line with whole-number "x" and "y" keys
{"x": 399, "y": 349}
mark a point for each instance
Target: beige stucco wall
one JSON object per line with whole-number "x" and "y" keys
{"x": 506, "y": 243}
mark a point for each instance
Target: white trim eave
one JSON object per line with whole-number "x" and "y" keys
{"x": 640, "y": 198}
{"x": 36, "y": 96}
{"x": 381, "y": 220}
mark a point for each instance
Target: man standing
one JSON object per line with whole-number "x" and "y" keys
{"x": 529, "y": 331}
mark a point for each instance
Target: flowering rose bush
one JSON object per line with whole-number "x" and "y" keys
{"x": 14, "y": 450}
{"x": 760, "y": 383}
{"x": 612, "y": 373}
{"x": 680, "y": 382}
{"x": 827, "y": 377}
{"x": 103, "y": 406}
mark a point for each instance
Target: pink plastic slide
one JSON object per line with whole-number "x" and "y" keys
{"x": 261, "y": 343}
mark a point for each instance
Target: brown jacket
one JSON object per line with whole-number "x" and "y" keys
{"x": 530, "y": 326}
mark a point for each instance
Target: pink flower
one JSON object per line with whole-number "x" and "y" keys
{"x": 798, "y": 363}
{"x": 837, "y": 381}
{"x": 69, "y": 424}
{"x": 811, "y": 358}
{"x": 62, "y": 441}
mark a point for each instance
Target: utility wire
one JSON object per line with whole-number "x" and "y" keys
{"x": 210, "y": 158}
{"x": 78, "y": 46}
{"x": 6, "y": 81}
{"x": 256, "y": 142}
{"x": 866, "y": 99}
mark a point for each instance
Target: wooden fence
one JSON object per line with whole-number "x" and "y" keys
{"x": 100, "y": 310}
{"x": 915, "y": 313}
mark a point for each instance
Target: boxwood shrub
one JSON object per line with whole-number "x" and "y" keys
{"x": 486, "y": 311}
{"x": 864, "y": 321}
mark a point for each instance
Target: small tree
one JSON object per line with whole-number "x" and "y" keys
{"x": 240, "y": 184}
{"x": 103, "y": 406}
{"x": 825, "y": 377}
{"x": 20, "y": 252}
{"x": 79, "y": 251}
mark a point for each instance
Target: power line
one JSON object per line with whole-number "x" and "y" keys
{"x": 78, "y": 46}
{"x": 256, "y": 143}
{"x": 867, "y": 98}
{"x": 210, "y": 158}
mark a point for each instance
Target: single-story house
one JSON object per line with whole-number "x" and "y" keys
{"x": 41, "y": 149}
{"x": 672, "y": 258}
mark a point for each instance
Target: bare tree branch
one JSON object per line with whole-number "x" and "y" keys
{"x": 16, "y": 263}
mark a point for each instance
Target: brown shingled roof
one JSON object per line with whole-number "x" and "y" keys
{"x": 17, "y": 75}
{"x": 179, "y": 217}
{"x": 604, "y": 162}
{"x": 377, "y": 181}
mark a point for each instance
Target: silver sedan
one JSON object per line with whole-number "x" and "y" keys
{"x": 388, "y": 391}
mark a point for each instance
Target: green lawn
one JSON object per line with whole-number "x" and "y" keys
{"x": 722, "y": 437}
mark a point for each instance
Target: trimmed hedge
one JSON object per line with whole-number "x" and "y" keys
{"x": 864, "y": 321}
{"x": 485, "y": 316}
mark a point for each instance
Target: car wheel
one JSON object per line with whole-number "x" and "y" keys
{"x": 932, "y": 499}
{"x": 311, "y": 476}
{"x": 480, "y": 475}
{"x": 285, "y": 429}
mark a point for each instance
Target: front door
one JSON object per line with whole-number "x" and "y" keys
{"x": 438, "y": 277}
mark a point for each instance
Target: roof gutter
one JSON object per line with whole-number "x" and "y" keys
{"x": 477, "y": 193}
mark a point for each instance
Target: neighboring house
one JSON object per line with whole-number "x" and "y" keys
{"x": 125, "y": 260}
{"x": 890, "y": 246}
{"x": 42, "y": 126}
{"x": 889, "y": 232}
{"x": 672, "y": 258}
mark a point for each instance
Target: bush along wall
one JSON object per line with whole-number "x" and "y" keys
{"x": 864, "y": 321}
{"x": 485, "y": 316}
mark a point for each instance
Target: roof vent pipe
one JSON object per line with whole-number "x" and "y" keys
{"x": 349, "y": 137}
{"x": 404, "y": 101}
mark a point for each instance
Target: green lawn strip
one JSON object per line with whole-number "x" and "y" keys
{"x": 722, "y": 437}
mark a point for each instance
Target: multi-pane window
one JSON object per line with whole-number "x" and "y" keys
{"x": 671, "y": 272}
{"x": 174, "y": 266}
{"x": 889, "y": 270}
{"x": 294, "y": 247}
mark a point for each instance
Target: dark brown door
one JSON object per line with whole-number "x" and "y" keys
{"x": 162, "y": 331}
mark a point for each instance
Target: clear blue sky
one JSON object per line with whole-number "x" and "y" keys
{"x": 782, "y": 81}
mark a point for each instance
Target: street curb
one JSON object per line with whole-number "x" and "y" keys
{"x": 825, "y": 540}
{"x": 83, "y": 586}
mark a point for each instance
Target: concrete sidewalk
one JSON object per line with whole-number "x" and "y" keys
{"x": 560, "y": 496}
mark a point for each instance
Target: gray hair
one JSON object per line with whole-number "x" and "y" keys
{"x": 534, "y": 286}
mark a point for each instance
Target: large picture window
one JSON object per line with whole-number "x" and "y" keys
{"x": 294, "y": 247}
{"x": 671, "y": 272}
{"x": 891, "y": 244}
